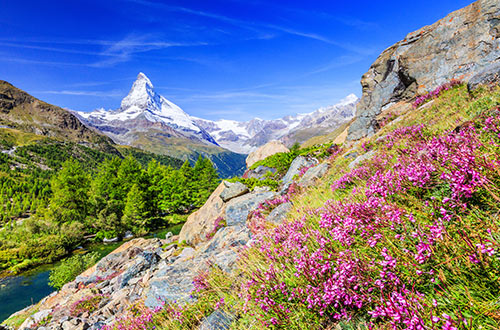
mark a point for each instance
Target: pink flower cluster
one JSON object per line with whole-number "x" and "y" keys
{"x": 218, "y": 224}
{"x": 200, "y": 281}
{"x": 143, "y": 318}
{"x": 304, "y": 169}
{"x": 137, "y": 321}
{"x": 314, "y": 261}
{"x": 435, "y": 93}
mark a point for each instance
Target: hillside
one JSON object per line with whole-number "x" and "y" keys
{"x": 19, "y": 110}
{"x": 389, "y": 222}
{"x": 421, "y": 197}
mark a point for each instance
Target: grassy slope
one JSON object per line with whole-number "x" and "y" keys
{"x": 462, "y": 289}
{"x": 24, "y": 112}
{"x": 449, "y": 283}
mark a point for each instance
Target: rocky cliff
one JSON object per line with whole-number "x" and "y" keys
{"x": 463, "y": 44}
{"x": 22, "y": 111}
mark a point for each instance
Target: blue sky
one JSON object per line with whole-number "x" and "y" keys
{"x": 229, "y": 59}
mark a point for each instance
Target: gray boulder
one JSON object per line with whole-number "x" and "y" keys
{"x": 218, "y": 320}
{"x": 279, "y": 213}
{"x": 361, "y": 159}
{"x": 259, "y": 172}
{"x": 172, "y": 283}
{"x": 313, "y": 174}
{"x": 142, "y": 262}
{"x": 297, "y": 164}
{"x": 233, "y": 190}
{"x": 490, "y": 75}
{"x": 187, "y": 252}
{"x": 225, "y": 239}
{"x": 237, "y": 209}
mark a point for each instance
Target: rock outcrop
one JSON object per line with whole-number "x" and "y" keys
{"x": 268, "y": 149}
{"x": 233, "y": 190}
{"x": 238, "y": 209}
{"x": 298, "y": 163}
{"x": 313, "y": 174}
{"x": 201, "y": 222}
{"x": 461, "y": 45}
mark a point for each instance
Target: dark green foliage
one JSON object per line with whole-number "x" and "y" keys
{"x": 70, "y": 268}
{"x": 145, "y": 157}
{"x": 188, "y": 188}
{"x": 54, "y": 153}
{"x": 53, "y": 193}
{"x": 69, "y": 200}
{"x": 136, "y": 213}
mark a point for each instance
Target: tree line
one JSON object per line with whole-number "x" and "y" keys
{"x": 120, "y": 195}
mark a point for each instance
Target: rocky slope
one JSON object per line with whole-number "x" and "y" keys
{"x": 463, "y": 44}
{"x": 157, "y": 270}
{"x": 19, "y": 110}
{"x": 247, "y": 136}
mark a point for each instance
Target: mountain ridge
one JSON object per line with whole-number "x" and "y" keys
{"x": 143, "y": 108}
{"x": 22, "y": 111}
{"x": 249, "y": 135}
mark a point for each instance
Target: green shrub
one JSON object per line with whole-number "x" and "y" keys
{"x": 251, "y": 183}
{"x": 70, "y": 268}
{"x": 282, "y": 160}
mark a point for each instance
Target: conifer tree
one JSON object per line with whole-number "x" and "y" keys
{"x": 70, "y": 200}
{"x": 136, "y": 213}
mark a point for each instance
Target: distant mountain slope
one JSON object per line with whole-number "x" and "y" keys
{"x": 144, "y": 109}
{"x": 34, "y": 133}
{"x": 149, "y": 121}
{"x": 21, "y": 111}
{"x": 246, "y": 136}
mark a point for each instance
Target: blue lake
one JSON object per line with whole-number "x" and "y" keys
{"x": 17, "y": 292}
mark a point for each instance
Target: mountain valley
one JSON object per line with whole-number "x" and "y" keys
{"x": 371, "y": 214}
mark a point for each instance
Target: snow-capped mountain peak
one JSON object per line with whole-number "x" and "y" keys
{"x": 141, "y": 94}
{"x": 143, "y": 100}
{"x": 144, "y": 108}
